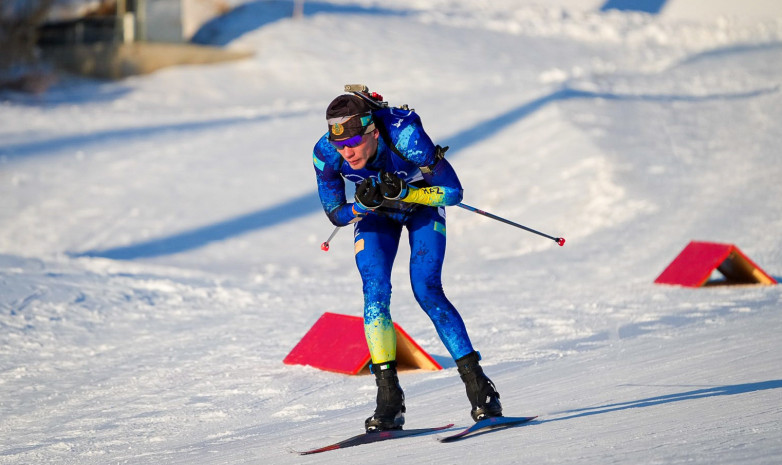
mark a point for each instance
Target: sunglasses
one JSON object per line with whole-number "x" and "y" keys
{"x": 351, "y": 142}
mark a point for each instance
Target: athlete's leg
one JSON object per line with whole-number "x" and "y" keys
{"x": 427, "y": 250}
{"x": 427, "y": 244}
{"x": 375, "y": 243}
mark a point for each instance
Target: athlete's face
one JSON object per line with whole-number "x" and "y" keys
{"x": 358, "y": 156}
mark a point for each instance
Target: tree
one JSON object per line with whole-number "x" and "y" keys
{"x": 19, "y": 60}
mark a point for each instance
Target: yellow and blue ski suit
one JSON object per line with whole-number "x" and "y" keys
{"x": 406, "y": 150}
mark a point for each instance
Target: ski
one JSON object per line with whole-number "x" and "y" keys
{"x": 368, "y": 438}
{"x": 487, "y": 425}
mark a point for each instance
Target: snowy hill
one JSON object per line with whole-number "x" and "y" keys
{"x": 159, "y": 239}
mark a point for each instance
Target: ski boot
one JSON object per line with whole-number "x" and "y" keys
{"x": 483, "y": 396}
{"x": 390, "y": 411}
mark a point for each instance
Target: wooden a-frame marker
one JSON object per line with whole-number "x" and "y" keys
{"x": 694, "y": 266}
{"x": 337, "y": 343}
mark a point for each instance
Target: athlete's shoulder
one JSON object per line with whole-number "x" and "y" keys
{"x": 325, "y": 156}
{"x": 406, "y": 132}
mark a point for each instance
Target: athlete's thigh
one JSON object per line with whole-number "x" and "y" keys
{"x": 427, "y": 243}
{"x": 375, "y": 243}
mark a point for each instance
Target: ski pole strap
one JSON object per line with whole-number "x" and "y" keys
{"x": 439, "y": 154}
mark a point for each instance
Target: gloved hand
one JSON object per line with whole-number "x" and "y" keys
{"x": 368, "y": 194}
{"x": 392, "y": 186}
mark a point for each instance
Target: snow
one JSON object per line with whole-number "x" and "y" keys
{"x": 159, "y": 239}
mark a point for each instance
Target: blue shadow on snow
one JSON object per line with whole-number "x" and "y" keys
{"x": 717, "y": 391}
{"x": 195, "y": 238}
{"x": 27, "y": 149}
{"x": 646, "y": 6}
{"x": 253, "y": 15}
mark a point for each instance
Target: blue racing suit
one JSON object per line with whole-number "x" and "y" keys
{"x": 407, "y": 151}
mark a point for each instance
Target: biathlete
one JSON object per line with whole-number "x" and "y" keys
{"x": 402, "y": 180}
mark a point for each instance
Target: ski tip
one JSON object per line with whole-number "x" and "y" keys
{"x": 317, "y": 451}
{"x": 486, "y": 425}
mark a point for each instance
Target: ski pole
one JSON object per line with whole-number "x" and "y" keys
{"x": 558, "y": 240}
{"x": 325, "y": 246}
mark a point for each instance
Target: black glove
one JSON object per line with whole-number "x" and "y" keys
{"x": 368, "y": 194}
{"x": 391, "y": 186}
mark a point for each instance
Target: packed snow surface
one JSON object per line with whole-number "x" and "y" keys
{"x": 159, "y": 239}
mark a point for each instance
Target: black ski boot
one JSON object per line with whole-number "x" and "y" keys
{"x": 390, "y": 411}
{"x": 483, "y": 396}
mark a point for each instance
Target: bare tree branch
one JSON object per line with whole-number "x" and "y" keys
{"x": 19, "y": 22}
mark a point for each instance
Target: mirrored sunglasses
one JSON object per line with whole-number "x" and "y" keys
{"x": 351, "y": 142}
